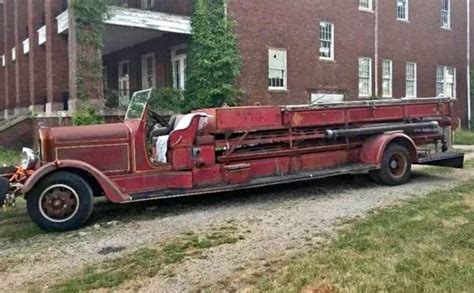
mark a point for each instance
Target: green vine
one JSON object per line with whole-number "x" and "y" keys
{"x": 214, "y": 60}
{"x": 89, "y": 18}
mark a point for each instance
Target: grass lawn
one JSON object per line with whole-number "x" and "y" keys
{"x": 9, "y": 157}
{"x": 146, "y": 262}
{"x": 426, "y": 245}
{"x": 464, "y": 137}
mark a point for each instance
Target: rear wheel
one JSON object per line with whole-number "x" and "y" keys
{"x": 395, "y": 168}
{"x": 62, "y": 201}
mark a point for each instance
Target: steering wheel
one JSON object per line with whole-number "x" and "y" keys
{"x": 158, "y": 118}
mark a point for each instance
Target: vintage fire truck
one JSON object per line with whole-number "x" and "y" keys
{"x": 215, "y": 150}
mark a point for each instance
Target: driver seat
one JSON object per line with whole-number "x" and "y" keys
{"x": 160, "y": 131}
{"x": 163, "y": 131}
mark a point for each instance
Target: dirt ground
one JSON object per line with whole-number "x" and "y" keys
{"x": 276, "y": 223}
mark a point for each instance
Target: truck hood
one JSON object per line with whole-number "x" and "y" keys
{"x": 84, "y": 134}
{"x": 85, "y": 143}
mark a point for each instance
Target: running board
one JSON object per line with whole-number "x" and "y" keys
{"x": 451, "y": 160}
{"x": 255, "y": 183}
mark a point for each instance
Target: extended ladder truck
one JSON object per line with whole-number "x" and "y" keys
{"x": 148, "y": 157}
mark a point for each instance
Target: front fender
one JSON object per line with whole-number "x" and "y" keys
{"x": 111, "y": 191}
{"x": 373, "y": 149}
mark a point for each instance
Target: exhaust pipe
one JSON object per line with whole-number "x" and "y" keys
{"x": 339, "y": 133}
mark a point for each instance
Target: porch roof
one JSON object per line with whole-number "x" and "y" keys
{"x": 137, "y": 18}
{"x": 151, "y": 20}
{"x": 126, "y": 27}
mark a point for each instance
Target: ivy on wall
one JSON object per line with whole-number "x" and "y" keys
{"x": 89, "y": 18}
{"x": 89, "y": 24}
{"x": 214, "y": 59}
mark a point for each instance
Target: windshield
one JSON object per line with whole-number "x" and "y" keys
{"x": 138, "y": 104}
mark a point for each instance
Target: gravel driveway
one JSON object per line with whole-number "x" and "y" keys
{"x": 276, "y": 224}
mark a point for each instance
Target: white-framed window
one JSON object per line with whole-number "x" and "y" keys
{"x": 326, "y": 37}
{"x": 367, "y": 5}
{"x": 124, "y": 83}
{"x": 387, "y": 78}
{"x": 178, "y": 61}
{"x": 365, "y": 77}
{"x": 277, "y": 69}
{"x": 410, "y": 80}
{"x": 402, "y": 10}
{"x": 446, "y": 14}
{"x": 2, "y": 58}
{"x": 446, "y": 81}
{"x": 148, "y": 71}
{"x": 14, "y": 54}
{"x": 147, "y": 4}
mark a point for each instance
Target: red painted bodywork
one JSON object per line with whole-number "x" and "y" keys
{"x": 237, "y": 145}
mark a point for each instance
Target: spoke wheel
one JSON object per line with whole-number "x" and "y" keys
{"x": 395, "y": 168}
{"x": 397, "y": 165}
{"x": 59, "y": 203}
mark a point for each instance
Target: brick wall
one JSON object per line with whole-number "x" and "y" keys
{"x": 262, "y": 24}
{"x": 294, "y": 26}
{"x": 22, "y": 83}
{"x": 9, "y": 43}
{"x": 57, "y": 69}
{"x": 37, "y": 64}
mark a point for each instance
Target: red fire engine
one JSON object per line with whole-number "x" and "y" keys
{"x": 215, "y": 150}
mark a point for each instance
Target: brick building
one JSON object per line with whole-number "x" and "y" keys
{"x": 293, "y": 52}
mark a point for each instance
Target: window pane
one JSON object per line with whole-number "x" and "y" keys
{"x": 402, "y": 9}
{"x": 365, "y": 78}
{"x": 446, "y": 14}
{"x": 326, "y": 40}
{"x": 366, "y": 4}
{"x": 411, "y": 80}
{"x": 440, "y": 74}
{"x": 277, "y": 68}
{"x": 387, "y": 78}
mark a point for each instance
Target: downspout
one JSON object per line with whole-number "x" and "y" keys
{"x": 376, "y": 48}
{"x": 469, "y": 114}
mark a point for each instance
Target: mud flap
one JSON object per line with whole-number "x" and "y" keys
{"x": 450, "y": 160}
{"x": 4, "y": 187}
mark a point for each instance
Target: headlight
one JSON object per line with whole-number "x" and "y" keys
{"x": 28, "y": 159}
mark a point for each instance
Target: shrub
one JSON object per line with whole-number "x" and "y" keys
{"x": 214, "y": 60}
{"x": 86, "y": 114}
{"x": 168, "y": 99}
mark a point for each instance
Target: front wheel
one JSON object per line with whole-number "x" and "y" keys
{"x": 395, "y": 168}
{"x": 61, "y": 201}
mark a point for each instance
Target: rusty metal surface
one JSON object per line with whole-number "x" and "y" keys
{"x": 276, "y": 142}
{"x": 256, "y": 183}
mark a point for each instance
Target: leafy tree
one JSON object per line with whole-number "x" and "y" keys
{"x": 214, "y": 59}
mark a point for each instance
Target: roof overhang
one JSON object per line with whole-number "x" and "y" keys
{"x": 151, "y": 20}
{"x": 126, "y": 27}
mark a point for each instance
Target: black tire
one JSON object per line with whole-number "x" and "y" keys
{"x": 374, "y": 176}
{"x": 62, "y": 201}
{"x": 395, "y": 168}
